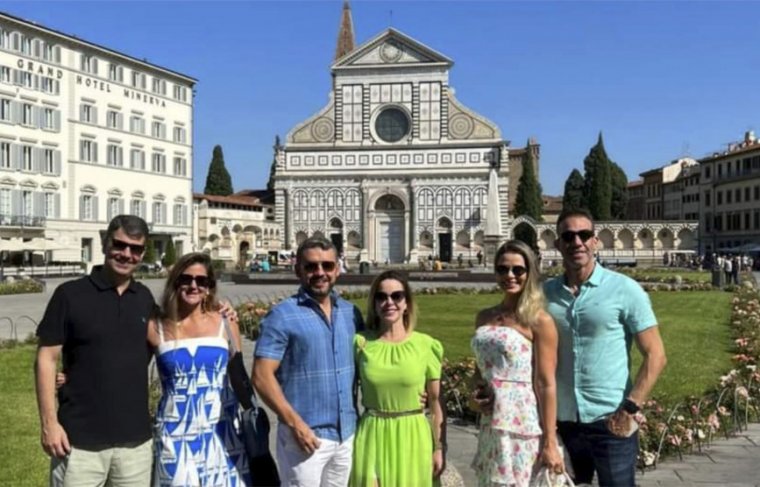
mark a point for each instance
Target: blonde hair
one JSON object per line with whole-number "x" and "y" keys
{"x": 410, "y": 317}
{"x": 170, "y": 299}
{"x": 531, "y": 301}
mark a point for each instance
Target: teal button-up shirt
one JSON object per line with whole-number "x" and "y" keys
{"x": 596, "y": 329}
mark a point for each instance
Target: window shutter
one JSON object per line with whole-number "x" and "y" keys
{"x": 143, "y": 210}
{"x": 38, "y": 204}
{"x": 95, "y": 208}
{"x": 57, "y": 120}
{"x": 81, "y": 150}
{"x": 57, "y": 162}
{"x": 19, "y": 157}
{"x": 81, "y": 207}
{"x": 57, "y": 209}
{"x": 142, "y": 160}
{"x": 120, "y": 121}
{"x": 94, "y": 65}
{"x": 121, "y": 206}
{"x": 15, "y": 202}
{"x": 36, "y": 118}
{"x": 94, "y": 115}
{"x": 94, "y": 152}
{"x": 37, "y": 158}
{"x": 81, "y": 112}
{"x": 184, "y": 215}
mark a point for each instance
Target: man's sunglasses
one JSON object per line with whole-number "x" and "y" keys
{"x": 327, "y": 266}
{"x": 516, "y": 270}
{"x": 568, "y": 236}
{"x": 121, "y": 246}
{"x": 188, "y": 279}
{"x": 396, "y": 296}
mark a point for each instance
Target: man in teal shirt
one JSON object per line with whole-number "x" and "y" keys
{"x": 599, "y": 313}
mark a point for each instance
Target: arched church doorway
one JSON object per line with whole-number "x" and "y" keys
{"x": 336, "y": 234}
{"x": 443, "y": 229}
{"x": 244, "y": 252}
{"x": 389, "y": 215}
{"x": 526, "y": 233}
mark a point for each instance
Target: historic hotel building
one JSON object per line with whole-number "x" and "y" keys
{"x": 394, "y": 167}
{"x": 87, "y": 133}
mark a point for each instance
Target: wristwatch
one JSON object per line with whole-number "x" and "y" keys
{"x": 629, "y": 406}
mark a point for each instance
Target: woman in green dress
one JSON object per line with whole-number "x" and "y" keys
{"x": 395, "y": 445}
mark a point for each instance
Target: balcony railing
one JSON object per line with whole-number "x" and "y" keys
{"x": 22, "y": 221}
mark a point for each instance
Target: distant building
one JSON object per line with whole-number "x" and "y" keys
{"x": 730, "y": 197}
{"x": 635, "y": 205}
{"x": 673, "y": 177}
{"x": 552, "y": 208}
{"x": 86, "y": 133}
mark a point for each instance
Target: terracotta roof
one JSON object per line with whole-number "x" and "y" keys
{"x": 633, "y": 184}
{"x": 234, "y": 199}
{"x": 749, "y": 147}
{"x": 552, "y": 204}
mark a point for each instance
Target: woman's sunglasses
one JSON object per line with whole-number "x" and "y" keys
{"x": 396, "y": 296}
{"x": 516, "y": 270}
{"x": 188, "y": 279}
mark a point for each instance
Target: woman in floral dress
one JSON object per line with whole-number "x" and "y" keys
{"x": 518, "y": 430}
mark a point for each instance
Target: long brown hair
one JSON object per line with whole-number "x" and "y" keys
{"x": 170, "y": 299}
{"x": 410, "y": 317}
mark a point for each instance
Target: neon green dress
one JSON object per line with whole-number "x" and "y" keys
{"x": 392, "y": 450}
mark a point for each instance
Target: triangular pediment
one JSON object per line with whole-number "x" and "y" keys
{"x": 391, "y": 48}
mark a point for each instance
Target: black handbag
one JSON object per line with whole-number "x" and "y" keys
{"x": 254, "y": 421}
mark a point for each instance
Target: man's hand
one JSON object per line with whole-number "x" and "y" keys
{"x": 482, "y": 399}
{"x": 622, "y": 424}
{"x": 227, "y": 311}
{"x": 54, "y": 440}
{"x": 305, "y": 437}
{"x": 437, "y": 463}
{"x": 423, "y": 400}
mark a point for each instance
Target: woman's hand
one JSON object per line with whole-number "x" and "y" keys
{"x": 482, "y": 399}
{"x": 551, "y": 457}
{"x": 437, "y": 463}
{"x": 60, "y": 380}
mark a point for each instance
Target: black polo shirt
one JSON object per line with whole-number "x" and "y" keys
{"x": 105, "y": 357}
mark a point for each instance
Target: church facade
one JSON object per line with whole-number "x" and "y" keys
{"x": 394, "y": 168}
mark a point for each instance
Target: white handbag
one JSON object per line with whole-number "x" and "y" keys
{"x": 547, "y": 478}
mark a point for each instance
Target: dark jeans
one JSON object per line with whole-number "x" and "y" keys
{"x": 593, "y": 448}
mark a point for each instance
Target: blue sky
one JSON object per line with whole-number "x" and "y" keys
{"x": 659, "y": 79}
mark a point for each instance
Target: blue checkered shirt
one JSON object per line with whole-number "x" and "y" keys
{"x": 316, "y": 371}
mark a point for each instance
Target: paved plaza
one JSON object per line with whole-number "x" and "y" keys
{"x": 731, "y": 463}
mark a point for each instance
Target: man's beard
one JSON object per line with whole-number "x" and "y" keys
{"x": 319, "y": 293}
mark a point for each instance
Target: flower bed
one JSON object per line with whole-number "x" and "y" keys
{"x": 21, "y": 287}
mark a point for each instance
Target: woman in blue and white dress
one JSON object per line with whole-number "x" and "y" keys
{"x": 197, "y": 442}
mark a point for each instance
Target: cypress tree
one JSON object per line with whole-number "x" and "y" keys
{"x": 598, "y": 182}
{"x": 619, "y": 205}
{"x": 170, "y": 256}
{"x": 529, "y": 201}
{"x": 218, "y": 181}
{"x": 573, "y": 199}
{"x": 150, "y": 252}
{"x": 273, "y": 167}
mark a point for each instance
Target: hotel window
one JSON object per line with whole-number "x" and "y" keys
{"x": 159, "y": 86}
{"x": 26, "y": 203}
{"x": 137, "y": 208}
{"x": 115, "y": 155}
{"x": 87, "y": 207}
{"x": 115, "y": 72}
{"x": 137, "y": 125}
{"x": 26, "y": 45}
{"x": 179, "y": 135}
{"x": 27, "y": 115}
{"x": 138, "y": 80}
{"x": 159, "y": 212}
{"x": 179, "y": 214}
{"x": 25, "y": 79}
{"x": 180, "y": 93}
{"x": 180, "y": 166}
{"x": 48, "y": 118}
{"x": 50, "y": 205}
{"x": 158, "y": 130}
{"x": 89, "y": 64}
{"x": 49, "y": 161}
{"x": 49, "y": 85}
{"x": 27, "y": 161}
{"x": 88, "y": 113}
{"x": 88, "y": 151}
{"x": 137, "y": 159}
{"x": 5, "y": 202}
{"x": 113, "y": 208}
{"x": 5, "y": 74}
{"x": 158, "y": 162}
{"x": 5, "y": 110}
{"x": 5, "y": 155}
{"x": 47, "y": 51}
{"x": 114, "y": 119}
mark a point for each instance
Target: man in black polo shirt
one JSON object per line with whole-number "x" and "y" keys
{"x": 101, "y": 432}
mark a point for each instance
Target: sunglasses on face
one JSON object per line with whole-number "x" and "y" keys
{"x": 188, "y": 279}
{"x": 396, "y": 296}
{"x": 327, "y": 266}
{"x": 121, "y": 246}
{"x": 568, "y": 236}
{"x": 516, "y": 270}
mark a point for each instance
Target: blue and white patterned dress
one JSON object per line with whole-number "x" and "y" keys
{"x": 197, "y": 440}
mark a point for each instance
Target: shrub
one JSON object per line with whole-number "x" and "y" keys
{"x": 21, "y": 287}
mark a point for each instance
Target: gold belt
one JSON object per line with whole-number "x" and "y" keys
{"x": 391, "y": 414}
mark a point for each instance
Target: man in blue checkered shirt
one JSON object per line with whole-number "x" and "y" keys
{"x": 304, "y": 371}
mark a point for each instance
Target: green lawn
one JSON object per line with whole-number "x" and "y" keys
{"x": 693, "y": 325}
{"x": 22, "y": 461}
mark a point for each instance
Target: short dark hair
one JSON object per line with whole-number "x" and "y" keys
{"x": 577, "y": 213}
{"x": 314, "y": 243}
{"x": 133, "y": 226}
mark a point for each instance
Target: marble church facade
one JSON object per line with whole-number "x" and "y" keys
{"x": 394, "y": 167}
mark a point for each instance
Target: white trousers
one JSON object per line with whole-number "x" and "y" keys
{"x": 329, "y": 466}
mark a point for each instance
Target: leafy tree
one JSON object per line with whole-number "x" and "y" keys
{"x": 573, "y": 199}
{"x": 273, "y": 167}
{"x": 218, "y": 181}
{"x": 529, "y": 201}
{"x": 619, "y": 204}
{"x": 170, "y": 256}
{"x": 150, "y": 252}
{"x": 598, "y": 181}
